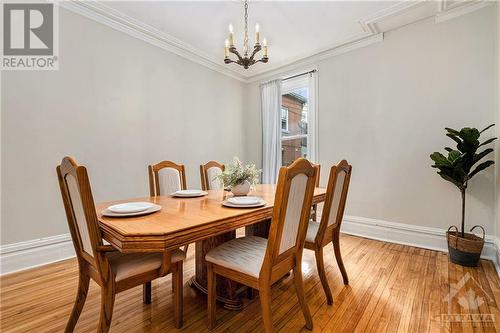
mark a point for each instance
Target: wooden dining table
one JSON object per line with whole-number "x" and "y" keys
{"x": 201, "y": 220}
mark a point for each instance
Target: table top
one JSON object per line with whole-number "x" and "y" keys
{"x": 184, "y": 220}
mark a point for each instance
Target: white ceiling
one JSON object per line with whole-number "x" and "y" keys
{"x": 294, "y": 29}
{"x": 300, "y": 33}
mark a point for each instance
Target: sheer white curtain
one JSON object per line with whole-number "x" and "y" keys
{"x": 270, "y": 95}
{"x": 312, "y": 131}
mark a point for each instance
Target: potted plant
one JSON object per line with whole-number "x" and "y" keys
{"x": 238, "y": 177}
{"x": 459, "y": 167}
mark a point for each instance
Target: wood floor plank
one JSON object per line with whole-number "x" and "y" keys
{"x": 393, "y": 288}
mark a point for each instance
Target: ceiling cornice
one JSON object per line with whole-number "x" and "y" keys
{"x": 115, "y": 19}
{"x": 372, "y": 29}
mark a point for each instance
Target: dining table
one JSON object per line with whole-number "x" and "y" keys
{"x": 201, "y": 220}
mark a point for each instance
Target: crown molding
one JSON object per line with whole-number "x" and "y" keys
{"x": 309, "y": 61}
{"x": 117, "y": 20}
{"x": 372, "y": 31}
{"x": 450, "y": 12}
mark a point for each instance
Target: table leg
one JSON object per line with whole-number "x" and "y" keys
{"x": 227, "y": 290}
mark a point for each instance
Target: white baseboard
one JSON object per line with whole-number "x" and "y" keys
{"x": 412, "y": 235}
{"x": 37, "y": 252}
{"x": 23, "y": 255}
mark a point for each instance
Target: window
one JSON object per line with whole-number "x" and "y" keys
{"x": 296, "y": 129}
{"x": 284, "y": 119}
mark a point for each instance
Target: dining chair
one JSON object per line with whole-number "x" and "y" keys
{"x": 166, "y": 177}
{"x": 208, "y": 172}
{"x": 314, "y": 211}
{"x": 319, "y": 234}
{"x": 112, "y": 270}
{"x": 258, "y": 262}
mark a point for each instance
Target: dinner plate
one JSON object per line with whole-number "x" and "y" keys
{"x": 130, "y": 207}
{"x": 189, "y": 193}
{"x": 152, "y": 209}
{"x": 244, "y": 201}
{"x": 226, "y": 203}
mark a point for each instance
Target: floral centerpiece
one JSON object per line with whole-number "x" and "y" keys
{"x": 239, "y": 177}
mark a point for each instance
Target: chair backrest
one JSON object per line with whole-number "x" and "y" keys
{"x": 318, "y": 172}
{"x": 336, "y": 196}
{"x": 166, "y": 177}
{"x": 80, "y": 210}
{"x": 208, "y": 172}
{"x": 292, "y": 207}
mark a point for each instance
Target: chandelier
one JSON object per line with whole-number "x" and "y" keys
{"x": 247, "y": 59}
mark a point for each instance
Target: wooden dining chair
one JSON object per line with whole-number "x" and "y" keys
{"x": 319, "y": 234}
{"x": 166, "y": 177}
{"x": 314, "y": 211}
{"x": 112, "y": 270}
{"x": 258, "y": 262}
{"x": 208, "y": 172}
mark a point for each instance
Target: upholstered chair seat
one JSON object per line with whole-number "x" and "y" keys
{"x": 113, "y": 271}
{"x": 132, "y": 264}
{"x": 258, "y": 262}
{"x": 312, "y": 231}
{"x": 245, "y": 254}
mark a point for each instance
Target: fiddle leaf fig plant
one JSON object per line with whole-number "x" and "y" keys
{"x": 461, "y": 164}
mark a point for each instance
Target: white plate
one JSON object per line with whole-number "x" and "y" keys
{"x": 259, "y": 204}
{"x": 244, "y": 201}
{"x": 130, "y": 207}
{"x": 189, "y": 193}
{"x": 152, "y": 209}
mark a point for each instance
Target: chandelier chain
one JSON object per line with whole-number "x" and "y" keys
{"x": 245, "y": 41}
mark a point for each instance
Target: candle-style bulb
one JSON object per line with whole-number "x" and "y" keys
{"x": 264, "y": 42}
{"x": 257, "y": 34}
{"x": 231, "y": 28}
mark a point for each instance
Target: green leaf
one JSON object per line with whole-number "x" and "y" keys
{"x": 487, "y": 128}
{"x": 454, "y": 138}
{"x": 453, "y": 156}
{"x": 469, "y": 134}
{"x": 481, "y": 167}
{"x": 449, "y": 178}
{"x": 487, "y": 141}
{"x": 440, "y": 160}
{"x": 482, "y": 154}
{"x": 452, "y": 131}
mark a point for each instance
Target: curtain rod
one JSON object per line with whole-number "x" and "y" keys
{"x": 294, "y": 76}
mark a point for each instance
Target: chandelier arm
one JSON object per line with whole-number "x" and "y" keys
{"x": 235, "y": 52}
{"x": 256, "y": 49}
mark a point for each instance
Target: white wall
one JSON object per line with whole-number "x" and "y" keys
{"x": 384, "y": 108}
{"x": 116, "y": 104}
{"x": 497, "y": 145}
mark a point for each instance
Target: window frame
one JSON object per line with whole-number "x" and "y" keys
{"x": 287, "y": 129}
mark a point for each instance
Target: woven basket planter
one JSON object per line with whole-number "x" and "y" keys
{"x": 465, "y": 251}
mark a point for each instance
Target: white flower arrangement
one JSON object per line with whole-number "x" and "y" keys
{"x": 237, "y": 173}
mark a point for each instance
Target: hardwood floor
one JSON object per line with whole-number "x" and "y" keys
{"x": 393, "y": 288}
